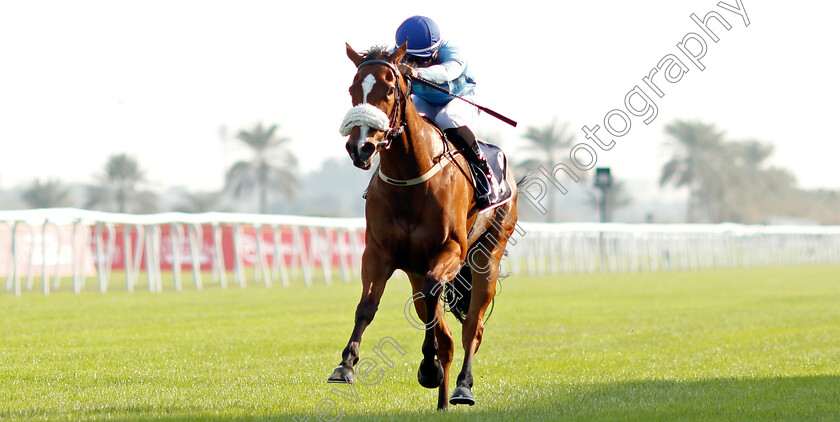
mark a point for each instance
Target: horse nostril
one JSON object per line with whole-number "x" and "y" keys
{"x": 368, "y": 148}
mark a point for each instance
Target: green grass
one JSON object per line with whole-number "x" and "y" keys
{"x": 755, "y": 344}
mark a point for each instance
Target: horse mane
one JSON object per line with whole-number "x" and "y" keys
{"x": 377, "y": 52}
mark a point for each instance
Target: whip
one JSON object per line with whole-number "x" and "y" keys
{"x": 495, "y": 114}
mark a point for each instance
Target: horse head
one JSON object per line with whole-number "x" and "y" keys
{"x": 379, "y": 92}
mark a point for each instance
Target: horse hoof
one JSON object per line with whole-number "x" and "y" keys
{"x": 342, "y": 374}
{"x": 427, "y": 379}
{"x": 462, "y": 395}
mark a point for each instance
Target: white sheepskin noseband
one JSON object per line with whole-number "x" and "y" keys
{"x": 364, "y": 115}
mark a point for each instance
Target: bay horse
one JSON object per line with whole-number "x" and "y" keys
{"x": 421, "y": 219}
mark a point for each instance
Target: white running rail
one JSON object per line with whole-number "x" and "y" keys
{"x": 50, "y": 245}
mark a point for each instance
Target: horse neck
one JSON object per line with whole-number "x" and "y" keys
{"x": 412, "y": 153}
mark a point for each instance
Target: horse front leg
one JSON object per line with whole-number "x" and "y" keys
{"x": 375, "y": 273}
{"x": 438, "y": 347}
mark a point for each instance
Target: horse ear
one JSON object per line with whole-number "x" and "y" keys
{"x": 399, "y": 53}
{"x": 355, "y": 57}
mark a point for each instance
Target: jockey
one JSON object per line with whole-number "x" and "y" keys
{"x": 439, "y": 61}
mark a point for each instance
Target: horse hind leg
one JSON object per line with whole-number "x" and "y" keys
{"x": 484, "y": 274}
{"x": 472, "y": 332}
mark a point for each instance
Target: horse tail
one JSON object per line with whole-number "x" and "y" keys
{"x": 458, "y": 292}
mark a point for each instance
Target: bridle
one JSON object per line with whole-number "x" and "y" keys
{"x": 396, "y": 127}
{"x": 396, "y": 120}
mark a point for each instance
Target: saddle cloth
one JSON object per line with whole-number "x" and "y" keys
{"x": 497, "y": 161}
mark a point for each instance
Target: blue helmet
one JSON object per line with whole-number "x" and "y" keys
{"x": 422, "y": 34}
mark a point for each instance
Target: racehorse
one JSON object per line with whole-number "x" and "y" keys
{"x": 421, "y": 219}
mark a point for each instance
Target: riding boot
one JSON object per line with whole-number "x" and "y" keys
{"x": 486, "y": 188}
{"x": 487, "y": 191}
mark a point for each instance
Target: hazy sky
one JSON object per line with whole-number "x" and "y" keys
{"x": 81, "y": 80}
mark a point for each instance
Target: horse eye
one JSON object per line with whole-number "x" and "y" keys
{"x": 391, "y": 91}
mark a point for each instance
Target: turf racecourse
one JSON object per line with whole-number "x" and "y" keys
{"x": 740, "y": 344}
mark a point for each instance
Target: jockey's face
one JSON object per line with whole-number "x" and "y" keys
{"x": 417, "y": 61}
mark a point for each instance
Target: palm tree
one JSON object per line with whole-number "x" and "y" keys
{"x": 546, "y": 145}
{"x": 119, "y": 185}
{"x": 752, "y": 153}
{"x": 617, "y": 197}
{"x": 697, "y": 163}
{"x": 272, "y": 168}
{"x": 47, "y": 194}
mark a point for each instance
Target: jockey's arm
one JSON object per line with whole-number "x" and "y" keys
{"x": 451, "y": 66}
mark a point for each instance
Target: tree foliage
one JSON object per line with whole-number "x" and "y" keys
{"x": 731, "y": 181}
{"x": 545, "y": 146}
{"x": 272, "y": 167}
{"x": 197, "y": 202}
{"x": 120, "y": 188}
{"x": 47, "y": 194}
